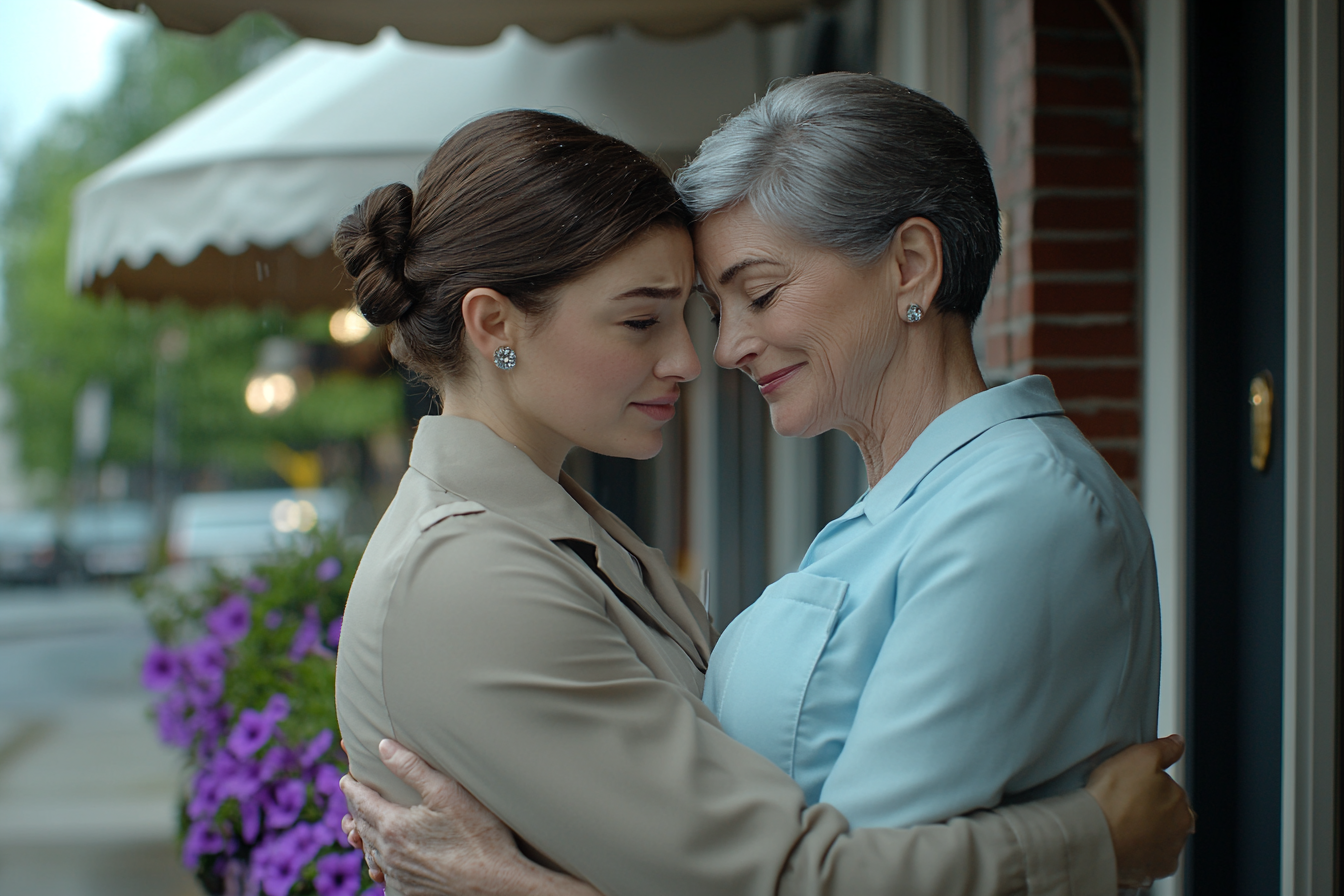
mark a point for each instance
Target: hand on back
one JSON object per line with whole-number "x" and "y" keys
{"x": 1148, "y": 813}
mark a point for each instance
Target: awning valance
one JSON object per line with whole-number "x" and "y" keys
{"x": 238, "y": 200}
{"x": 472, "y": 22}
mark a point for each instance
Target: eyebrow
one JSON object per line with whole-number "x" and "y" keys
{"x": 727, "y": 276}
{"x": 651, "y": 292}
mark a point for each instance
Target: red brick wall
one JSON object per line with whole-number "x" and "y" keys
{"x": 1065, "y": 297}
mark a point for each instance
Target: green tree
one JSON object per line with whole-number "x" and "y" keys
{"x": 55, "y": 342}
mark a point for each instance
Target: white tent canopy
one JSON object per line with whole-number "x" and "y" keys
{"x": 273, "y": 163}
{"x": 473, "y": 22}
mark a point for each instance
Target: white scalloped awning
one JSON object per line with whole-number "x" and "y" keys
{"x": 238, "y": 200}
{"x": 472, "y": 22}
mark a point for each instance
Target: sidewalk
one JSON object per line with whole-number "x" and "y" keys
{"x": 87, "y": 794}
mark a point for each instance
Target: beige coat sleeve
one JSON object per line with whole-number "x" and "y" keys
{"x": 501, "y": 668}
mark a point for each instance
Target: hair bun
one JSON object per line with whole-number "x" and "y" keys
{"x": 372, "y": 243}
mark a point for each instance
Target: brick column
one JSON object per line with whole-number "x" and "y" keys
{"x": 1065, "y": 296}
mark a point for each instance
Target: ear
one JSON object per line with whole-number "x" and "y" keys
{"x": 491, "y": 320}
{"x": 917, "y": 252}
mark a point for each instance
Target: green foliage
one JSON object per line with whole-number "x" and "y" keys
{"x": 282, "y": 593}
{"x": 56, "y": 342}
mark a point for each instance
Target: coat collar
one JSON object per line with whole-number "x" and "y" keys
{"x": 467, "y": 458}
{"x": 1031, "y": 396}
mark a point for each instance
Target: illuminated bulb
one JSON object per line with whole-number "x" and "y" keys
{"x": 293, "y": 516}
{"x": 270, "y": 393}
{"x": 348, "y": 326}
{"x": 284, "y": 515}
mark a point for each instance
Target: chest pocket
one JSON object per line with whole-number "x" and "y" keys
{"x": 763, "y": 663}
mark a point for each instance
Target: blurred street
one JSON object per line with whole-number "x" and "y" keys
{"x": 86, "y": 791}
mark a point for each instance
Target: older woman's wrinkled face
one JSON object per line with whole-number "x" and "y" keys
{"x": 812, "y": 330}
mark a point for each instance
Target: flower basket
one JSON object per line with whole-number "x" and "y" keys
{"x": 246, "y": 668}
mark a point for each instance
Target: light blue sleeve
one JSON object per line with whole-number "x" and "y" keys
{"x": 1005, "y": 657}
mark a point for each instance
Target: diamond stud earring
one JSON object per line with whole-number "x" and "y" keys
{"x": 507, "y": 359}
{"x": 913, "y": 314}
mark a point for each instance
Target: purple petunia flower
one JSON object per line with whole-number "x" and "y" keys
{"x": 308, "y": 636}
{"x": 230, "y": 621}
{"x": 256, "y": 584}
{"x": 317, "y": 748}
{"x": 334, "y": 632}
{"x": 338, "y": 873}
{"x": 276, "y": 865}
{"x": 277, "y": 855}
{"x": 251, "y": 732}
{"x": 375, "y": 890}
{"x": 212, "y": 722}
{"x": 325, "y": 835}
{"x": 245, "y": 780}
{"x": 327, "y": 570}
{"x": 306, "y": 839}
{"x": 337, "y": 808}
{"x": 327, "y": 781}
{"x": 202, "y": 840}
{"x": 207, "y": 794}
{"x": 205, "y": 694}
{"x": 162, "y": 668}
{"x": 251, "y": 817}
{"x": 284, "y": 802}
{"x": 277, "y": 708}
{"x": 276, "y": 760}
{"x": 206, "y": 659}
{"x": 172, "y": 717}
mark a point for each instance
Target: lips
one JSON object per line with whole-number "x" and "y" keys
{"x": 660, "y": 409}
{"x": 772, "y": 381}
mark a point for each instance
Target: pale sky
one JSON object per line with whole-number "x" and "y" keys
{"x": 53, "y": 54}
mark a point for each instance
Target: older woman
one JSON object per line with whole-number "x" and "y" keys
{"x": 523, "y": 639}
{"x": 983, "y": 623}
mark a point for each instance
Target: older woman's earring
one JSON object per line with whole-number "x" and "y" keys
{"x": 913, "y": 314}
{"x": 506, "y": 358}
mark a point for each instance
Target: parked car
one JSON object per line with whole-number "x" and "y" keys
{"x": 113, "y": 539}
{"x": 232, "y": 529}
{"x": 30, "y": 549}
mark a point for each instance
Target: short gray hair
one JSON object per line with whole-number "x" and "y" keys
{"x": 841, "y": 160}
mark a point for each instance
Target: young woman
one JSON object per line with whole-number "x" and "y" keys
{"x": 515, "y": 634}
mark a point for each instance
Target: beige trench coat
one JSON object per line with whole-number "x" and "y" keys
{"x": 522, "y": 639}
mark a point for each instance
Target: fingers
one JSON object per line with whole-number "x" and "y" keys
{"x": 1169, "y": 749}
{"x": 375, "y": 872}
{"x": 351, "y": 832}
{"x": 436, "y": 790}
{"x": 364, "y": 802}
{"x": 1154, "y": 755}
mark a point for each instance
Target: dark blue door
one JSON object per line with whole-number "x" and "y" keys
{"x": 1236, "y": 239}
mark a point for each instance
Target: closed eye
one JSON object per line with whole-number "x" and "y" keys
{"x": 764, "y": 299}
{"x": 642, "y": 323}
{"x": 713, "y": 303}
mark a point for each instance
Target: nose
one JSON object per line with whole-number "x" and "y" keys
{"x": 736, "y": 345}
{"x": 680, "y": 363}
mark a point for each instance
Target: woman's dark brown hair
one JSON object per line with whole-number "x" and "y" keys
{"x": 520, "y": 202}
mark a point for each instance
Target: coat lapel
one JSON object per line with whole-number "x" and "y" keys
{"x": 657, "y": 593}
{"x": 467, "y": 458}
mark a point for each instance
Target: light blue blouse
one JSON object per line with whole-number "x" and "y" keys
{"x": 982, "y": 625}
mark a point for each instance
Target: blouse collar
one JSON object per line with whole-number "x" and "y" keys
{"x": 1031, "y": 396}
